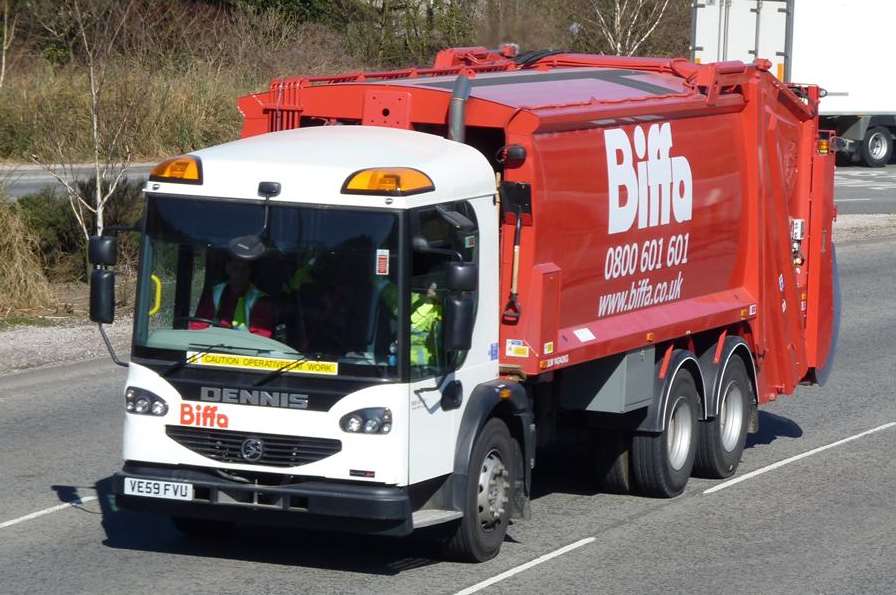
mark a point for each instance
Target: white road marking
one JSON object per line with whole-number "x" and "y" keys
{"x": 809, "y": 453}
{"x": 518, "y": 569}
{"x": 41, "y": 513}
{"x": 850, "y": 199}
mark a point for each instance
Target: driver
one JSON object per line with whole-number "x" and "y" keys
{"x": 236, "y": 303}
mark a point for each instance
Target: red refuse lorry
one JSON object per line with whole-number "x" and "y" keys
{"x": 412, "y": 279}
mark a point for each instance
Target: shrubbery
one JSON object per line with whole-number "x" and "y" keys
{"x": 22, "y": 280}
{"x": 58, "y": 239}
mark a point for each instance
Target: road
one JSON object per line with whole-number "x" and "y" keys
{"x": 823, "y": 523}
{"x": 865, "y": 190}
{"x": 21, "y": 180}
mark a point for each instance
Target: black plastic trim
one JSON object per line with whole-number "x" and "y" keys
{"x": 333, "y": 505}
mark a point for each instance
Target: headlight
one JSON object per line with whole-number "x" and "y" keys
{"x": 373, "y": 420}
{"x": 143, "y": 402}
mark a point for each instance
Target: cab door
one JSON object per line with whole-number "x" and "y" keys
{"x": 440, "y": 381}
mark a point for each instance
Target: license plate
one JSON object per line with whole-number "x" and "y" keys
{"x": 150, "y": 488}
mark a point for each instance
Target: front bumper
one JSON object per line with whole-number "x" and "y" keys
{"x": 312, "y": 504}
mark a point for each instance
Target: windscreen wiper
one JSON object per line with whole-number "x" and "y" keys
{"x": 208, "y": 348}
{"x": 282, "y": 369}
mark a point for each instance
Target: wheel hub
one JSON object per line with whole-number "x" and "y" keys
{"x": 877, "y": 145}
{"x": 678, "y": 434}
{"x": 493, "y": 489}
{"x": 731, "y": 416}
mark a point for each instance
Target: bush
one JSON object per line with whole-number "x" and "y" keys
{"x": 22, "y": 280}
{"x": 58, "y": 236}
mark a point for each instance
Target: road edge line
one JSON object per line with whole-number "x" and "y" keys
{"x": 522, "y": 567}
{"x": 795, "y": 458}
{"x": 46, "y": 511}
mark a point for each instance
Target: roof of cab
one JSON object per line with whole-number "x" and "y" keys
{"x": 312, "y": 164}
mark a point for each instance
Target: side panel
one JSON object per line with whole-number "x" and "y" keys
{"x": 846, "y": 47}
{"x": 641, "y": 225}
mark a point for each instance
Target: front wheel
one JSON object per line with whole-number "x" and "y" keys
{"x": 477, "y": 537}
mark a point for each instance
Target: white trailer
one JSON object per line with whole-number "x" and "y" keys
{"x": 843, "y": 45}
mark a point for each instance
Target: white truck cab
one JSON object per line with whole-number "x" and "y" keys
{"x": 350, "y": 390}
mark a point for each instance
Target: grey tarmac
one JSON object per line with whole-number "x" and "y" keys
{"x": 865, "y": 190}
{"x": 823, "y": 524}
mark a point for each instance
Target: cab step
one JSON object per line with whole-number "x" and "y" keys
{"x": 433, "y": 516}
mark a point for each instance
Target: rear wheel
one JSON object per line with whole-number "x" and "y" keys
{"x": 721, "y": 441}
{"x": 490, "y": 478}
{"x": 877, "y": 147}
{"x": 662, "y": 463}
{"x": 612, "y": 453}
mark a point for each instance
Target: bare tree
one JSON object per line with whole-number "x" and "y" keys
{"x": 626, "y": 24}
{"x": 9, "y": 33}
{"x": 97, "y": 25}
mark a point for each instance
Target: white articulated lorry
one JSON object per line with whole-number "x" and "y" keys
{"x": 844, "y": 46}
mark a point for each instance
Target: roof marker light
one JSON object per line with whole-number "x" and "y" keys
{"x": 388, "y": 181}
{"x": 186, "y": 169}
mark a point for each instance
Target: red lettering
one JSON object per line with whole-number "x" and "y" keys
{"x": 186, "y": 414}
{"x": 204, "y": 416}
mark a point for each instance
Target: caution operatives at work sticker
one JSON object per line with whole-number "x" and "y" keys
{"x": 267, "y": 364}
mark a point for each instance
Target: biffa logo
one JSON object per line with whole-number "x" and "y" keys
{"x": 203, "y": 416}
{"x": 655, "y": 185}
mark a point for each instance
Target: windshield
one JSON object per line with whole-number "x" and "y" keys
{"x": 324, "y": 295}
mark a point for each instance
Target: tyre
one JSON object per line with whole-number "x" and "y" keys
{"x": 721, "y": 440}
{"x": 877, "y": 147}
{"x": 490, "y": 478}
{"x": 612, "y": 453}
{"x": 202, "y": 528}
{"x": 662, "y": 463}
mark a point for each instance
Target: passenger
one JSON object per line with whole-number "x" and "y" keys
{"x": 426, "y": 323}
{"x": 236, "y": 303}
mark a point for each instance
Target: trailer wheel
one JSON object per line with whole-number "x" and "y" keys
{"x": 477, "y": 537}
{"x": 877, "y": 147}
{"x": 612, "y": 453}
{"x": 721, "y": 440}
{"x": 662, "y": 463}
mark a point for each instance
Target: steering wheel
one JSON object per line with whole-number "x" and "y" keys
{"x": 208, "y": 321}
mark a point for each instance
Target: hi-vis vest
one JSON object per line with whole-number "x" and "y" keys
{"x": 425, "y": 318}
{"x": 243, "y": 308}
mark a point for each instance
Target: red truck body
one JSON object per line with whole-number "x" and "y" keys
{"x": 671, "y": 204}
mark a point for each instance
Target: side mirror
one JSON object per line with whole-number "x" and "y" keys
{"x": 102, "y": 250}
{"x": 102, "y": 296}
{"x": 461, "y": 276}
{"x": 422, "y": 245}
{"x": 458, "y": 318}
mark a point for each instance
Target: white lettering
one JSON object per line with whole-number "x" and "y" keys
{"x": 656, "y": 189}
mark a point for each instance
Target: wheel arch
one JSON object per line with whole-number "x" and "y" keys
{"x": 733, "y": 346}
{"x": 655, "y": 421}
{"x": 484, "y": 403}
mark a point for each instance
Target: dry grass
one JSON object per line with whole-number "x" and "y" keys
{"x": 22, "y": 281}
{"x": 173, "y": 92}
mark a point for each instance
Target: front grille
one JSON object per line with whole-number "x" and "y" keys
{"x": 278, "y": 451}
